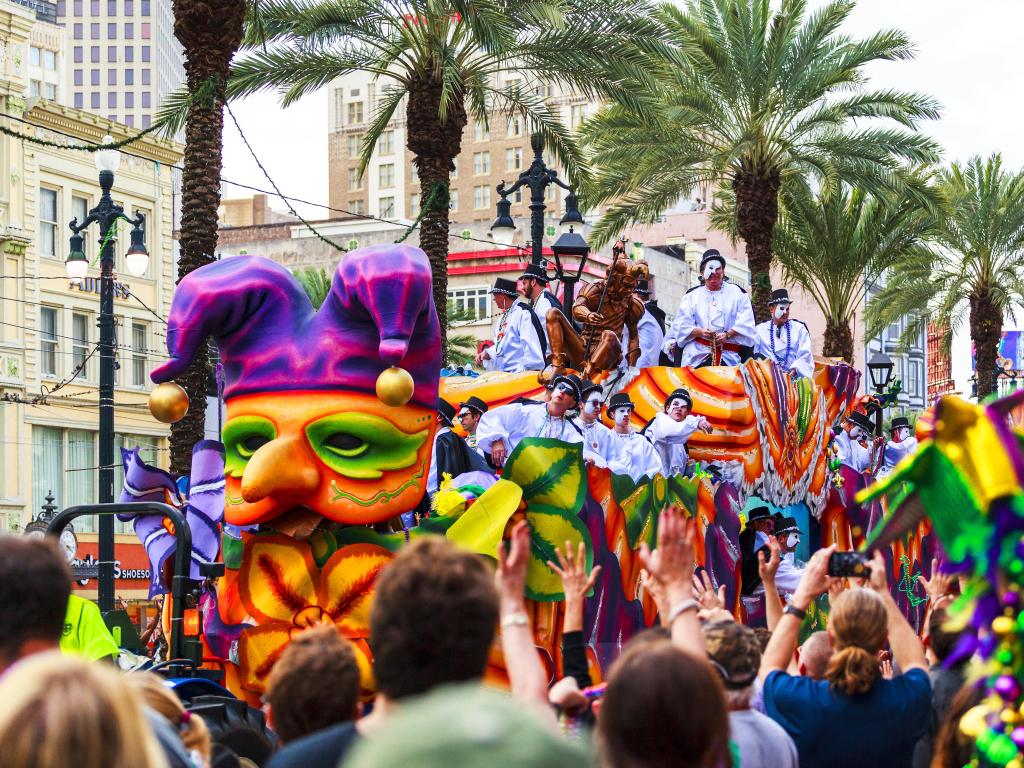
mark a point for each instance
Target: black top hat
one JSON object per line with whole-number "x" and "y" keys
{"x": 537, "y": 272}
{"x": 777, "y": 517}
{"x": 861, "y": 420}
{"x": 474, "y": 403}
{"x": 680, "y": 393}
{"x": 504, "y": 286}
{"x": 759, "y": 513}
{"x": 786, "y": 525}
{"x": 587, "y": 387}
{"x": 447, "y": 411}
{"x": 642, "y": 287}
{"x": 711, "y": 254}
{"x": 779, "y": 296}
{"x": 899, "y": 421}
{"x": 620, "y": 400}
{"x": 572, "y": 380}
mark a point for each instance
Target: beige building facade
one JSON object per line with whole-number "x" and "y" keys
{"x": 48, "y": 327}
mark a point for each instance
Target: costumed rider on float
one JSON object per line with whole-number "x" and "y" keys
{"x": 636, "y": 456}
{"x": 450, "y": 454}
{"x": 599, "y": 446}
{"x": 787, "y": 578}
{"x": 901, "y": 444}
{"x": 783, "y": 340}
{"x": 715, "y": 321}
{"x": 651, "y": 333}
{"x": 502, "y": 428}
{"x": 754, "y": 539}
{"x": 469, "y": 417}
{"x": 669, "y": 430}
{"x": 533, "y": 287}
{"x": 848, "y": 441}
{"x": 519, "y": 340}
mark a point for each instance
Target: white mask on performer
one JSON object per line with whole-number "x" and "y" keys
{"x": 854, "y": 432}
{"x": 678, "y": 403}
{"x": 709, "y": 269}
{"x": 621, "y": 415}
{"x": 780, "y": 310}
{"x": 792, "y": 540}
{"x": 593, "y": 406}
{"x": 903, "y": 433}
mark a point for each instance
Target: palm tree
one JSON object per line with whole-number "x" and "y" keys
{"x": 316, "y": 283}
{"x": 210, "y": 33}
{"x": 977, "y": 272}
{"x": 441, "y": 59}
{"x": 835, "y": 246}
{"x": 749, "y": 97}
{"x": 458, "y": 349}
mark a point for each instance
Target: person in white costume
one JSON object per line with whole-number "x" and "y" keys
{"x": 785, "y": 341}
{"x": 669, "y": 430}
{"x": 900, "y": 445}
{"x": 502, "y": 428}
{"x": 598, "y": 442}
{"x": 652, "y": 337}
{"x": 636, "y": 456}
{"x": 519, "y": 341}
{"x": 715, "y": 321}
{"x": 533, "y": 287}
{"x": 851, "y": 452}
{"x": 787, "y": 578}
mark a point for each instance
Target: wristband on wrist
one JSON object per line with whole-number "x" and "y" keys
{"x": 518, "y": 619}
{"x": 679, "y": 609}
{"x": 792, "y": 610}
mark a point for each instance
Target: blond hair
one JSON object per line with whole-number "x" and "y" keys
{"x": 859, "y": 626}
{"x": 158, "y": 697}
{"x": 61, "y": 711}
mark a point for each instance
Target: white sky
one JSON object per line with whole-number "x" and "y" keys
{"x": 969, "y": 55}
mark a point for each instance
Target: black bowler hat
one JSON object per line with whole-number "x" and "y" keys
{"x": 587, "y": 387}
{"x": 504, "y": 286}
{"x": 759, "y": 513}
{"x": 474, "y": 403}
{"x": 447, "y": 411}
{"x": 711, "y": 254}
{"x": 899, "y": 421}
{"x": 642, "y": 287}
{"x": 683, "y": 394}
{"x": 786, "y": 525}
{"x": 537, "y": 272}
{"x": 861, "y": 420}
{"x": 620, "y": 400}
{"x": 779, "y": 296}
{"x": 571, "y": 381}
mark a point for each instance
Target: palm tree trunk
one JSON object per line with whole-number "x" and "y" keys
{"x": 757, "y": 209}
{"x": 838, "y": 340}
{"x": 434, "y": 145}
{"x": 210, "y": 32}
{"x": 986, "y": 328}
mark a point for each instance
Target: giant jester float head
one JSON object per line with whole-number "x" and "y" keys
{"x": 307, "y": 436}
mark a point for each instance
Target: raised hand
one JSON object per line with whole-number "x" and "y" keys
{"x": 705, "y": 593}
{"x": 815, "y": 580}
{"x": 498, "y": 453}
{"x": 671, "y": 564}
{"x": 938, "y": 586}
{"x": 767, "y": 568}
{"x": 572, "y": 569}
{"x": 510, "y": 577}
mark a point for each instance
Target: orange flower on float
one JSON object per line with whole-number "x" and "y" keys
{"x": 285, "y": 593}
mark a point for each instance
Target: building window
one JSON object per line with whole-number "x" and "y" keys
{"x": 481, "y": 163}
{"x": 79, "y": 343}
{"x": 77, "y": 6}
{"x": 576, "y": 116}
{"x": 94, "y": 54}
{"x": 111, "y": 77}
{"x": 94, "y": 31}
{"x": 50, "y": 91}
{"x": 147, "y": 120}
{"x": 47, "y": 222}
{"x": 355, "y": 181}
{"x": 513, "y": 158}
{"x": 145, "y": 76}
{"x": 78, "y": 54}
{"x": 145, "y": 53}
{"x": 94, "y": 7}
{"x": 481, "y": 131}
{"x": 481, "y": 197}
{"x": 129, "y": 31}
{"x": 355, "y": 141}
{"x": 112, "y": 100}
{"x": 111, "y": 31}
{"x": 129, "y": 120}
{"x": 33, "y": 56}
{"x": 111, "y": 54}
{"x": 33, "y": 88}
{"x": 48, "y": 467}
{"x": 79, "y": 31}
{"x": 79, "y": 100}
{"x": 129, "y": 7}
{"x": 357, "y": 207}
{"x": 94, "y": 77}
{"x": 111, "y": 7}
{"x": 129, "y": 53}
{"x": 138, "y": 355}
{"x": 94, "y": 100}
{"x": 386, "y": 175}
{"x": 146, "y": 99}
{"x": 80, "y": 210}
{"x": 475, "y": 302}
{"x": 129, "y": 100}
{"x": 48, "y": 341}
{"x": 355, "y": 112}
{"x": 386, "y": 143}
{"x": 453, "y": 200}
{"x": 129, "y": 77}
{"x": 542, "y": 89}
{"x": 414, "y": 204}
{"x": 515, "y": 126}
{"x": 79, "y": 79}
{"x": 144, "y": 11}
{"x": 517, "y": 196}
{"x": 145, "y": 30}
{"x": 386, "y": 207}
{"x": 512, "y": 86}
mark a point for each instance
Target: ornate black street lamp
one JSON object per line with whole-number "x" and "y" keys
{"x": 106, "y": 214}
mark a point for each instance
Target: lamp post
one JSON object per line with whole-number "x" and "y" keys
{"x": 880, "y": 370}
{"x": 538, "y": 177}
{"x": 106, "y": 214}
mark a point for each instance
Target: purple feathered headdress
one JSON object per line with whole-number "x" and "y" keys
{"x": 380, "y": 313}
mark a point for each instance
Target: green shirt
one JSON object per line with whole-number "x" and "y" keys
{"x": 85, "y": 633}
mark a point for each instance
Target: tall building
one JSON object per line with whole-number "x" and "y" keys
{"x": 492, "y": 152}
{"x": 940, "y": 367}
{"x": 123, "y": 59}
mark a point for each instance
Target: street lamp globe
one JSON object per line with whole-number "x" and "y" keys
{"x": 137, "y": 257}
{"x": 108, "y": 159}
{"x": 503, "y": 230}
{"x": 573, "y": 219}
{"x": 880, "y": 369}
{"x": 76, "y": 264}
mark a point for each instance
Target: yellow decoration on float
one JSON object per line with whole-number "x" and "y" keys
{"x": 168, "y": 403}
{"x": 395, "y": 387}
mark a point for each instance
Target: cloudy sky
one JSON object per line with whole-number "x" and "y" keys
{"x": 969, "y": 55}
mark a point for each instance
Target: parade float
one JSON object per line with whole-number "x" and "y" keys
{"x": 330, "y": 417}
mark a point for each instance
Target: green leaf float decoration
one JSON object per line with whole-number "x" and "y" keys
{"x": 642, "y": 507}
{"x": 549, "y": 476}
{"x": 805, "y": 406}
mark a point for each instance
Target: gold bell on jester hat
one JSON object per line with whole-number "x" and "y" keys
{"x": 168, "y": 402}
